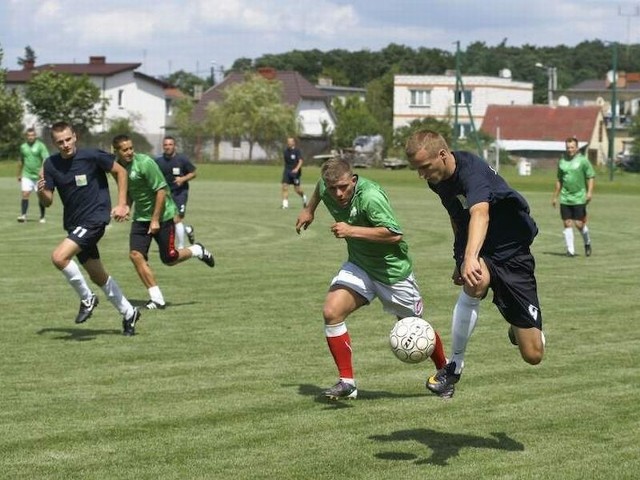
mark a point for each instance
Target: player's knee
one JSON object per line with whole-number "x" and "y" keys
{"x": 136, "y": 256}
{"x": 331, "y": 315}
{"x": 533, "y": 355}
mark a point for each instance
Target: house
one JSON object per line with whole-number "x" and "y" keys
{"x": 538, "y": 132}
{"x": 419, "y": 96}
{"x": 325, "y": 84}
{"x": 130, "y": 93}
{"x": 600, "y": 92}
{"x": 312, "y": 108}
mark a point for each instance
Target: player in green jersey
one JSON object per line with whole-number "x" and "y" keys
{"x": 378, "y": 263}
{"x": 33, "y": 153}
{"x": 152, "y": 219}
{"x": 574, "y": 184}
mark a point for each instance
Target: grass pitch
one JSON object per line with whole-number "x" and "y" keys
{"x": 223, "y": 384}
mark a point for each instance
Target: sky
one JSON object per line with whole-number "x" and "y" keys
{"x": 198, "y": 35}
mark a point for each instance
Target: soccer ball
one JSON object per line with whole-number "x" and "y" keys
{"x": 412, "y": 339}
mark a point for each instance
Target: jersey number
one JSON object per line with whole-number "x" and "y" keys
{"x": 79, "y": 232}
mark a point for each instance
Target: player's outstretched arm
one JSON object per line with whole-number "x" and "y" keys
{"x": 306, "y": 216}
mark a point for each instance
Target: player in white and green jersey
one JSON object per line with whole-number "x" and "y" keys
{"x": 153, "y": 214}
{"x": 33, "y": 153}
{"x": 574, "y": 184}
{"x": 378, "y": 265}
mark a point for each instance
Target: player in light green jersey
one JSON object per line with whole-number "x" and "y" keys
{"x": 153, "y": 214}
{"x": 33, "y": 153}
{"x": 378, "y": 263}
{"x": 574, "y": 184}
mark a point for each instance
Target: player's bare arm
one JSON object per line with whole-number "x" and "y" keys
{"x": 471, "y": 271}
{"x": 158, "y": 208}
{"x": 121, "y": 210}
{"x": 45, "y": 196}
{"x": 306, "y": 216}
{"x": 372, "y": 234}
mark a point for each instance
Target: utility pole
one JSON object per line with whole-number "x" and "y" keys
{"x": 614, "y": 107}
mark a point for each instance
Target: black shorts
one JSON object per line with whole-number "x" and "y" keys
{"x": 87, "y": 239}
{"x": 573, "y": 212}
{"x": 140, "y": 240}
{"x": 289, "y": 178}
{"x": 515, "y": 291}
{"x": 181, "y": 198}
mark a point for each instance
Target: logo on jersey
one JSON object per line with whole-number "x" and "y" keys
{"x": 533, "y": 311}
{"x": 463, "y": 201}
{"x": 353, "y": 212}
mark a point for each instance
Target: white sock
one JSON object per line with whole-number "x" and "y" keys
{"x": 179, "y": 235}
{"x": 196, "y": 250}
{"x": 568, "y": 239}
{"x": 75, "y": 278}
{"x": 585, "y": 235}
{"x": 156, "y": 295}
{"x": 304, "y": 199}
{"x": 285, "y": 203}
{"x": 465, "y": 315}
{"x": 117, "y": 299}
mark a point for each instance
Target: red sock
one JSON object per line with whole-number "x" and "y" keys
{"x": 438, "y": 357}
{"x": 340, "y": 348}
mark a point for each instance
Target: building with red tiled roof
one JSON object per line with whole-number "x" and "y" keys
{"x": 131, "y": 94}
{"x": 540, "y": 131}
{"x": 312, "y": 108}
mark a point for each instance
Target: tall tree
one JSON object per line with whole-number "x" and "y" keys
{"x": 353, "y": 119}
{"x": 186, "y": 82}
{"x": 11, "y": 113}
{"x": 55, "y": 96}
{"x": 253, "y": 110}
{"x": 29, "y": 56}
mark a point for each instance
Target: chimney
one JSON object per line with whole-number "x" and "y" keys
{"x": 28, "y": 65}
{"x": 97, "y": 60}
{"x": 268, "y": 72}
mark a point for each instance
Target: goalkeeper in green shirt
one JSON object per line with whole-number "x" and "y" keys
{"x": 378, "y": 264}
{"x": 33, "y": 153}
{"x": 574, "y": 186}
{"x": 153, "y": 214}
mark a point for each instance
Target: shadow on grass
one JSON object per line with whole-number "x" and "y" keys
{"x": 444, "y": 445}
{"x": 141, "y": 304}
{"x": 309, "y": 390}
{"x": 559, "y": 254}
{"x": 77, "y": 334}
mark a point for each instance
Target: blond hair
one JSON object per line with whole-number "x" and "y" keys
{"x": 333, "y": 169}
{"x": 428, "y": 140}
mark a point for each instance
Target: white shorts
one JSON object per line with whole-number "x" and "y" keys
{"x": 28, "y": 185}
{"x": 401, "y": 299}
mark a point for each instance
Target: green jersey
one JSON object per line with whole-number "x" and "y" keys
{"x": 32, "y": 157}
{"x": 145, "y": 179}
{"x": 573, "y": 174}
{"x": 370, "y": 207}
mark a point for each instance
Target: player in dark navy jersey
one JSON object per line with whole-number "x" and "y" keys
{"x": 178, "y": 171}
{"x": 493, "y": 232}
{"x": 292, "y": 173}
{"x": 80, "y": 177}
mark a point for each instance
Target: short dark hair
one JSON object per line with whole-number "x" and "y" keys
{"x": 60, "y": 126}
{"x": 118, "y": 139}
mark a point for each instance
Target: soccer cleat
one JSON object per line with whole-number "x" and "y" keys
{"x": 512, "y": 336}
{"x": 43, "y": 220}
{"x": 22, "y": 218}
{"x": 341, "y": 390}
{"x": 570, "y": 255}
{"x": 442, "y": 383}
{"x": 207, "y": 256}
{"x": 129, "y": 324}
{"x": 153, "y": 305}
{"x": 86, "y": 308}
{"x": 587, "y": 250}
{"x": 188, "y": 229}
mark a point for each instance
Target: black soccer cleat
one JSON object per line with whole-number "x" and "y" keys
{"x": 129, "y": 324}
{"x": 587, "y": 249}
{"x": 153, "y": 305}
{"x": 191, "y": 236}
{"x": 512, "y": 336}
{"x": 207, "y": 256}
{"x": 86, "y": 308}
{"x": 442, "y": 383}
{"x": 341, "y": 391}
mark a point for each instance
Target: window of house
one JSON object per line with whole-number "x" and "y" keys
{"x": 235, "y": 142}
{"x": 120, "y": 98}
{"x": 463, "y": 130}
{"x": 463, "y": 96}
{"x": 420, "y": 98}
{"x": 168, "y": 107}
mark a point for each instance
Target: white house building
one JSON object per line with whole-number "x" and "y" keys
{"x": 130, "y": 94}
{"x": 420, "y": 96}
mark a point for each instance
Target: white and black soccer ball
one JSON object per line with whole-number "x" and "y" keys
{"x": 412, "y": 339}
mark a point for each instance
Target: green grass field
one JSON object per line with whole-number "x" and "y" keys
{"x": 223, "y": 384}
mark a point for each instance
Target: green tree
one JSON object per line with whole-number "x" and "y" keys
{"x": 11, "y": 113}
{"x": 401, "y": 134}
{"x": 186, "y": 82}
{"x": 353, "y": 118}
{"x": 29, "y": 56}
{"x": 253, "y": 110}
{"x": 55, "y": 96}
{"x": 189, "y": 133}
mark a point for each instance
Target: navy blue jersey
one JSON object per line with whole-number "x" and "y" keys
{"x": 291, "y": 157}
{"x": 176, "y": 166}
{"x": 83, "y": 187}
{"x": 511, "y": 229}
